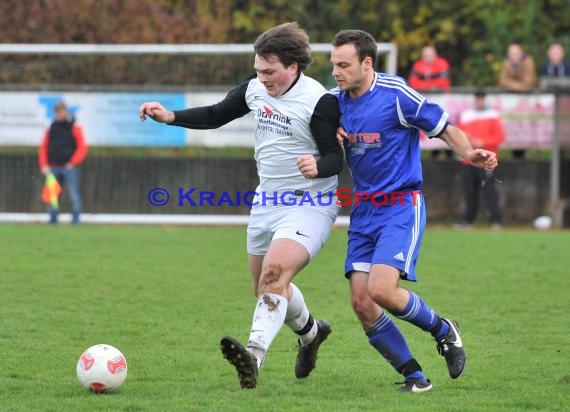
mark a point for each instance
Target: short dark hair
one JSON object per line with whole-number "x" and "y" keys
{"x": 363, "y": 42}
{"x": 288, "y": 42}
{"x": 480, "y": 93}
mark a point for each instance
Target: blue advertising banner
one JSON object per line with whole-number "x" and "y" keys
{"x": 108, "y": 119}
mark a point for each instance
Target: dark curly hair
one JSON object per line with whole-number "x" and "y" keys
{"x": 288, "y": 42}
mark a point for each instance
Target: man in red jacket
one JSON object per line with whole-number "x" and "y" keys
{"x": 485, "y": 130}
{"x": 61, "y": 152}
{"x": 431, "y": 72}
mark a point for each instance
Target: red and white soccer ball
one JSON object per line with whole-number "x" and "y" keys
{"x": 102, "y": 368}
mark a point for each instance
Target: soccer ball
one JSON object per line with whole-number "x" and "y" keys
{"x": 102, "y": 368}
{"x": 542, "y": 223}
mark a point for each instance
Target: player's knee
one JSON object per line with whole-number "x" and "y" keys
{"x": 382, "y": 296}
{"x": 359, "y": 307}
{"x": 362, "y": 305}
{"x": 270, "y": 274}
{"x": 270, "y": 281}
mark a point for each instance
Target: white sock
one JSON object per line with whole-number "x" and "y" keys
{"x": 299, "y": 319}
{"x": 268, "y": 318}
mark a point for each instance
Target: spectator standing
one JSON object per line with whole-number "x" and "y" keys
{"x": 430, "y": 72}
{"x": 62, "y": 150}
{"x": 555, "y": 65}
{"x": 518, "y": 73}
{"x": 485, "y": 131}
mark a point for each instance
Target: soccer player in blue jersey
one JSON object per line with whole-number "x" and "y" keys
{"x": 380, "y": 121}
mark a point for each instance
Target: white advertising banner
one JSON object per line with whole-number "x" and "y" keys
{"x": 528, "y": 120}
{"x": 111, "y": 119}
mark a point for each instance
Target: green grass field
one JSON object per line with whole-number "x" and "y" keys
{"x": 165, "y": 295}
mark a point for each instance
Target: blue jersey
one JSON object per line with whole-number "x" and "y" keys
{"x": 383, "y": 148}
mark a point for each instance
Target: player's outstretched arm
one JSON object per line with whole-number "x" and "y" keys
{"x": 156, "y": 112}
{"x": 458, "y": 141}
{"x": 205, "y": 117}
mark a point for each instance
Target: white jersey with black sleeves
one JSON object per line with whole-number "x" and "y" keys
{"x": 283, "y": 134}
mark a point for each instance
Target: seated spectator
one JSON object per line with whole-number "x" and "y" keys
{"x": 555, "y": 66}
{"x": 518, "y": 71}
{"x": 431, "y": 72}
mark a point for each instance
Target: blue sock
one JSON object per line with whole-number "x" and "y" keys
{"x": 418, "y": 313}
{"x": 387, "y": 339}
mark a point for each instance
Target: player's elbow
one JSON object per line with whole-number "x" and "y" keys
{"x": 339, "y": 165}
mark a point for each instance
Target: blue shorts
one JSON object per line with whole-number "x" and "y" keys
{"x": 391, "y": 235}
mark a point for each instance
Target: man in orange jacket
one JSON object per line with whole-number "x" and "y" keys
{"x": 485, "y": 130}
{"x": 61, "y": 152}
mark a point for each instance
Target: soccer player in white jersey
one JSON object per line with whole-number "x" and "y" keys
{"x": 380, "y": 119}
{"x": 298, "y": 159}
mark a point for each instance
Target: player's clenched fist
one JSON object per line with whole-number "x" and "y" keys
{"x": 341, "y": 135}
{"x": 156, "y": 112}
{"x": 307, "y": 165}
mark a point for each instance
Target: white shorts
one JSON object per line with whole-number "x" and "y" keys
{"x": 308, "y": 225}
